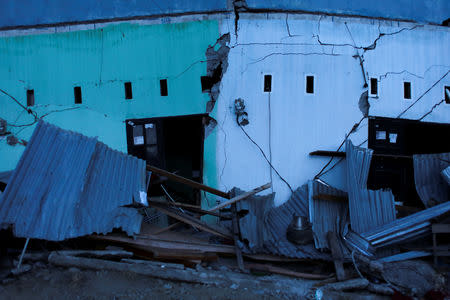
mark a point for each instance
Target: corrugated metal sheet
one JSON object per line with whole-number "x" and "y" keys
{"x": 446, "y": 174}
{"x": 326, "y": 215}
{"x": 430, "y": 185}
{"x": 67, "y": 185}
{"x": 406, "y": 228}
{"x": 265, "y": 226}
{"x": 252, "y": 225}
{"x": 368, "y": 208}
{"x": 277, "y": 222}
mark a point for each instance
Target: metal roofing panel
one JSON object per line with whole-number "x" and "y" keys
{"x": 431, "y": 187}
{"x": 405, "y": 228}
{"x": 277, "y": 222}
{"x": 446, "y": 174}
{"x": 326, "y": 215}
{"x": 368, "y": 208}
{"x": 67, "y": 185}
{"x": 264, "y": 227}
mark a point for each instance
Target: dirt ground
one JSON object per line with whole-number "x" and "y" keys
{"x": 49, "y": 282}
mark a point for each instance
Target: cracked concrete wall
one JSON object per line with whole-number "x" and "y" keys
{"x": 100, "y": 60}
{"x": 287, "y": 123}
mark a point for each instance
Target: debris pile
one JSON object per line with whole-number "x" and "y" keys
{"x": 68, "y": 186}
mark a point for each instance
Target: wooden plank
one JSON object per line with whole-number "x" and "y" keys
{"x": 282, "y": 271}
{"x": 150, "y": 242}
{"x": 193, "y": 208}
{"x": 193, "y": 221}
{"x": 187, "y": 181}
{"x": 338, "y": 257}
{"x": 167, "y": 228}
{"x": 241, "y": 196}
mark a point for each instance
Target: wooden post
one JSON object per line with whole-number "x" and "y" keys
{"x": 337, "y": 255}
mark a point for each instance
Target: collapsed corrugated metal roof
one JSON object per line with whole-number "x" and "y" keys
{"x": 405, "y": 228}
{"x": 326, "y": 214}
{"x": 431, "y": 187}
{"x": 446, "y": 174}
{"x": 368, "y": 208}
{"x": 264, "y": 227}
{"x": 68, "y": 185}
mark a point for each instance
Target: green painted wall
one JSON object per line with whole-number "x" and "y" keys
{"x": 100, "y": 61}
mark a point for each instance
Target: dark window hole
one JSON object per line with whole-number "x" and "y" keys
{"x": 30, "y": 97}
{"x": 267, "y": 83}
{"x": 128, "y": 90}
{"x": 310, "y": 84}
{"x": 163, "y": 87}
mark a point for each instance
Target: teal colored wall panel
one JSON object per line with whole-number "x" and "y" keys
{"x": 100, "y": 61}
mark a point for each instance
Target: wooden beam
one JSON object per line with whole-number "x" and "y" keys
{"x": 193, "y": 208}
{"x": 187, "y": 181}
{"x": 192, "y": 221}
{"x": 282, "y": 271}
{"x": 337, "y": 255}
{"x": 241, "y": 197}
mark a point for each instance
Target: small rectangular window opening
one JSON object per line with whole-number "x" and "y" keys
{"x": 267, "y": 83}
{"x": 206, "y": 83}
{"x": 373, "y": 86}
{"x": 128, "y": 90}
{"x": 310, "y": 84}
{"x": 163, "y": 87}
{"x": 77, "y": 94}
{"x": 30, "y": 97}
{"x": 447, "y": 94}
{"x": 407, "y": 90}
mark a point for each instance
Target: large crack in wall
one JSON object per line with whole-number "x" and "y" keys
{"x": 217, "y": 65}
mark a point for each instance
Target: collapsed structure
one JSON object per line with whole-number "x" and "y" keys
{"x": 344, "y": 111}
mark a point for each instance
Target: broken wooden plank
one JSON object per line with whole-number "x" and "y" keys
{"x": 193, "y": 221}
{"x": 282, "y": 271}
{"x": 338, "y": 257}
{"x": 167, "y": 228}
{"x": 189, "y": 207}
{"x": 241, "y": 196}
{"x": 187, "y": 181}
{"x": 153, "y": 242}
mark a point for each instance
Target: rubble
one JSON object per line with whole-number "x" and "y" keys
{"x": 357, "y": 230}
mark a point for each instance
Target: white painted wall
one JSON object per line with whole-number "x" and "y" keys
{"x": 287, "y": 47}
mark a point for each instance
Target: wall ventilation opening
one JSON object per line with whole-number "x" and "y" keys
{"x": 373, "y": 87}
{"x": 310, "y": 84}
{"x": 447, "y": 94}
{"x": 30, "y": 97}
{"x": 267, "y": 83}
{"x": 128, "y": 90}
{"x": 163, "y": 87}
{"x": 407, "y": 90}
{"x": 77, "y": 94}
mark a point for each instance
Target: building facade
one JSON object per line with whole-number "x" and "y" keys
{"x": 161, "y": 82}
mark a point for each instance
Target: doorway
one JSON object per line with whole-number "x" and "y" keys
{"x": 174, "y": 144}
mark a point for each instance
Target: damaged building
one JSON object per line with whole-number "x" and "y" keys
{"x": 340, "y": 113}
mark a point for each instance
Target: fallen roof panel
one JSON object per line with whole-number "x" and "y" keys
{"x": 68, "y": 185}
